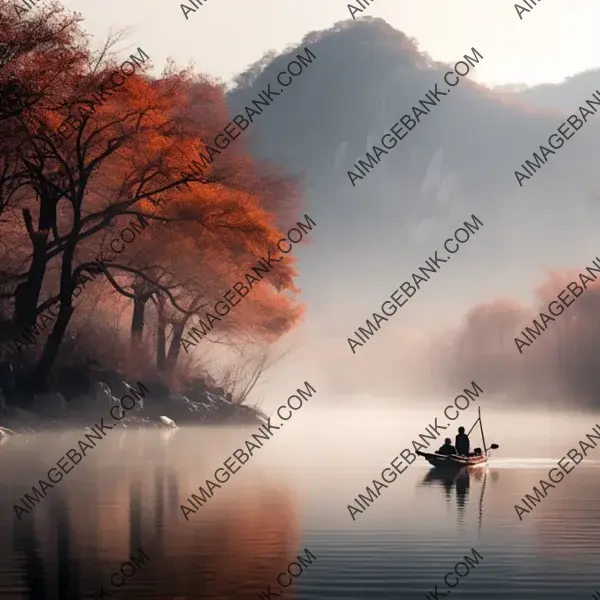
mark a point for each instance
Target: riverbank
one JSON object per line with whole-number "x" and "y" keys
{"x": 126, "y": 403}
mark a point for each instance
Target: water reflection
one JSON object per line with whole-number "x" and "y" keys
{"x": 33, "y": 571}
{"x": 235, "y": 549}
{"x": 71, "y": 543}
{"x": 459, "y": 482}
{"x": 126, "y": 495}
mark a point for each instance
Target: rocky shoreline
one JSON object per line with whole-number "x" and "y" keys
{"x": 155, "y": 407}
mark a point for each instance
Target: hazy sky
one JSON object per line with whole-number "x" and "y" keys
{"x": 554, "y": 40}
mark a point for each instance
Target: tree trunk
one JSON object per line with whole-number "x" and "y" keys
{"x": 51, "y": 347}
{"x": 137, "y": 320}
{"x": 27, "y": 293}
{"x": 67, "y": 285}
{"x": 161, "y": 336}
{"x": 175, "y": 347}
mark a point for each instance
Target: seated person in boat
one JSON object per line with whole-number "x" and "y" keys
{"x": 462, "y": 442}
{"x": 447, "y": 448}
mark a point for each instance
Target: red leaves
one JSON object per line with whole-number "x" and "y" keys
{"x": 84, "y": 172}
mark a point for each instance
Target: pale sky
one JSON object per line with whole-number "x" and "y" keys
{"x": 555, "y": 39}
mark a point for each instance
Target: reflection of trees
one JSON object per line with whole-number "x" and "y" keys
{"x": 67, "y": 560}
{"x": 235, "y": 550}
{"x": 58, "y": 578}
{"x": 231, "y": 548}
{"x": 25, "y": 544}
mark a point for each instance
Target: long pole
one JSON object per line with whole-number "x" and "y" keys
{"x": 481, "y": 425}
{"x": 474, "y": 425}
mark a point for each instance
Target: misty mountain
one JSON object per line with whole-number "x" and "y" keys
{"x": 459, "y": 160}
{"x": 562, "y": 96}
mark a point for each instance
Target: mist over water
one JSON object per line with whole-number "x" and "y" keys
{"x": 292, "y": 494}
{"x": 371, "y": 401}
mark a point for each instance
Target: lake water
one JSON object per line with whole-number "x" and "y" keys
{"x": 293, "y": 495}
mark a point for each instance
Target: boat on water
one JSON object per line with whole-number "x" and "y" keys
{"x": 459, "y": 461}
{"x": 455, "y": 460}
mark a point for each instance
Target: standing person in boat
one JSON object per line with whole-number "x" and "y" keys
{"x": 447, "y": 448}
{"x": 463, "y": 444}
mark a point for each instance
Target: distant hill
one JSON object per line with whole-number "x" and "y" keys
{"x": 562, "y": 96}
{"x": 459, "y": 160}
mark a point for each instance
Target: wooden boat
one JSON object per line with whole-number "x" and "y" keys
{"x": 458, "y": 461}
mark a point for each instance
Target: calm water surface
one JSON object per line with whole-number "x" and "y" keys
{"x": 292, "y": 495}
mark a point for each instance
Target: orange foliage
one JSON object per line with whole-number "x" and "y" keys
{"x": 127, "y": 158}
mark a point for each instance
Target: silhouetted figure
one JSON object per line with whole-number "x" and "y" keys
{"x": 447, "y": 448}
{"x": 462, "y": 442}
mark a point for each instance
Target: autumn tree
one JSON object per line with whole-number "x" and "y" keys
{"x": 128, "y": 158}
{"x": 47, "y": 55}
